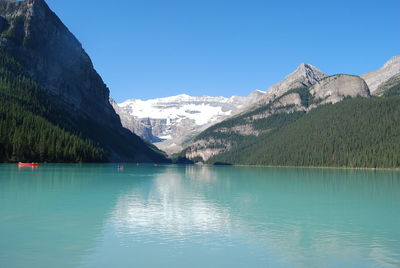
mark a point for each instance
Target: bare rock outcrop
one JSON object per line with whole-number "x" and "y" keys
{"x": 337, "y": 87}
{"x": 204, "y": 149}
{"x": 292, "y": 99}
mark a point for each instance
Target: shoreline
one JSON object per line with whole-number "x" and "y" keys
{"x": 212, "y": 165}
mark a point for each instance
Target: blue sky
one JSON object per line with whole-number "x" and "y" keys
{"x": 157, "y": 48}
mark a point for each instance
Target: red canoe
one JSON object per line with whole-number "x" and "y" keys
{"x": 20, "y": 164}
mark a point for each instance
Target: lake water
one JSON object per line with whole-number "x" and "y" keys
{"x": 198, "y": 216}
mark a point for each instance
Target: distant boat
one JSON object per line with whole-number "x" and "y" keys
{"x": 20, "y": 164}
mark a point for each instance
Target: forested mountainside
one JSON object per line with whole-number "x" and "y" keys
{"x": 48, "y": 82}
{"x": 353, "y": 133}
{"x": 332, "y": 121}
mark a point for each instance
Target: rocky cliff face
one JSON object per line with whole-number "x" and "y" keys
{"x": 32, "y": 34}
{"x": 377, "y": 78}
{"x": 335, "y": 88}
{"x": 170, "y": 122}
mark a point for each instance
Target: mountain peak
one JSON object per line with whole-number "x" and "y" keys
{"x": 304, "y": 75}
{"x": 305, "y": 67}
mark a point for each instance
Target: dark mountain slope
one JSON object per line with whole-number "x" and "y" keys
{"x": 49, "y": 55}
{"x": 25, "y": 133}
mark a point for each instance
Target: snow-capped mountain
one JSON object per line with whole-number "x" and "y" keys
{"x": 170, "y": 122}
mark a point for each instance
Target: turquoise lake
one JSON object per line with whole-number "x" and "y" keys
{"x": 198, "y": 216}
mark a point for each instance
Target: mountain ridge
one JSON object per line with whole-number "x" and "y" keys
{"x": 299, "y": 93}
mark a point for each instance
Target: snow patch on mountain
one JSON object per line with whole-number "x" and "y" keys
{"x": 173, "y": 120}
{"x": 202, "y": 110}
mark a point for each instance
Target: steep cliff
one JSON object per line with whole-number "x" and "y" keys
{"x": 52, "y": 57}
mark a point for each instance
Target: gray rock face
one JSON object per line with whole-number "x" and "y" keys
{"x": 205, "y": 149}
{"x": 171, "y": 122}
{"x": 288, "y": 100}
{"x": 304, "y": 76}
{"x": 337, "y": 87}
{"x": 377, "y": 78}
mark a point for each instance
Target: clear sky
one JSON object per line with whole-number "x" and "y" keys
{"x": 156, "y": 48}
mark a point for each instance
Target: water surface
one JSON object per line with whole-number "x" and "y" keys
{"x": 193, "y": 216}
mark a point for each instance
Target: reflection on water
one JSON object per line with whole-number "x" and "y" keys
{"x": 177, "y": 216}
{"x": 170, "y": 208}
